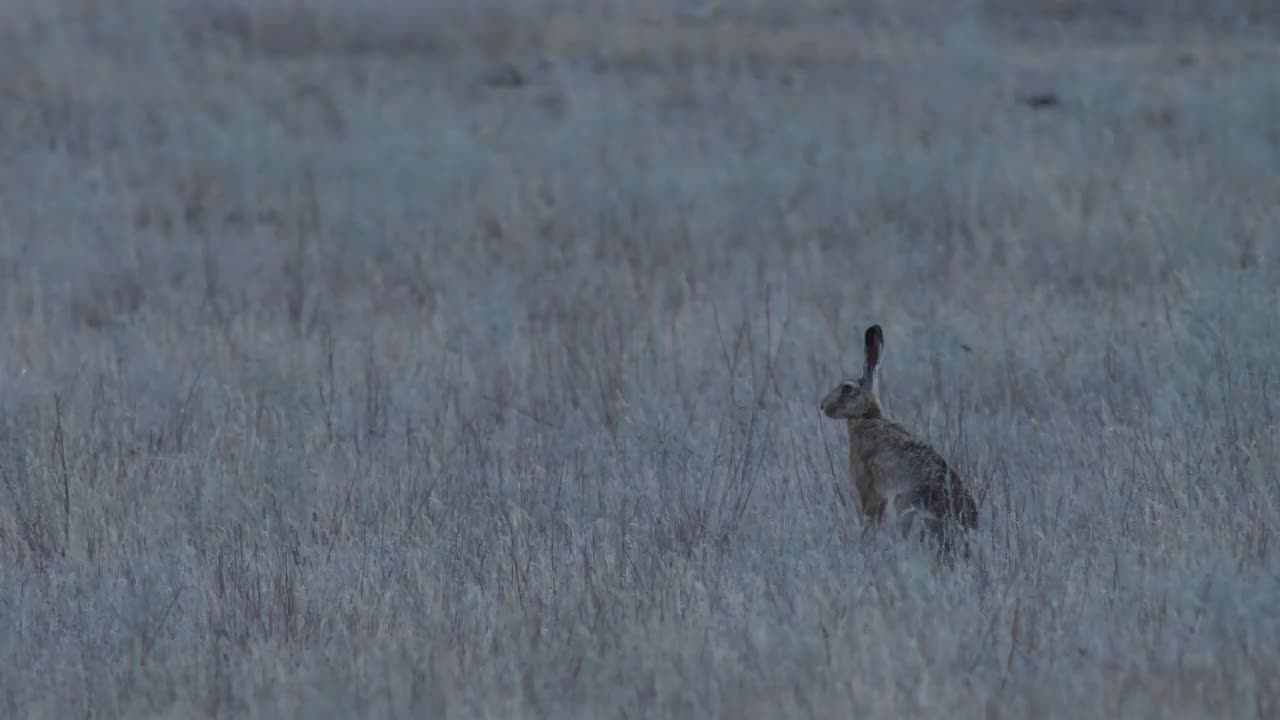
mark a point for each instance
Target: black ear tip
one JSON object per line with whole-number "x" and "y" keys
{"x": 874, "y": 334}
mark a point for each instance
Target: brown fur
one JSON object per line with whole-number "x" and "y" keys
{"x": 894, "y": 473}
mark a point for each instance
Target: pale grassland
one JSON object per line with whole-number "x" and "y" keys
{"x": 414, "y": 361}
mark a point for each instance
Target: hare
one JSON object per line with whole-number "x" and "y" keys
{"x": 895, "y": 474}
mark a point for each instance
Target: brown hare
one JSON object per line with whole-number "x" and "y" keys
{"x": 897, "y": 476}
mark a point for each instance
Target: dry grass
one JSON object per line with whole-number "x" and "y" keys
{"x": 407, "y": 362}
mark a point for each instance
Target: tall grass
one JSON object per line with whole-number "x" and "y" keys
{"x": 411, "y": 362}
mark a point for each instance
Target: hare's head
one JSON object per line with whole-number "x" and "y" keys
{"x": 861, "y": 397}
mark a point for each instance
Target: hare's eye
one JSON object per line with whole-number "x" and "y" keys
{"x": 846, "y": 388}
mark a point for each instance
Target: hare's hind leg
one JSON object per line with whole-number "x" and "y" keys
{"x": 921, "y": 526}
{"x": 952, "y": 541}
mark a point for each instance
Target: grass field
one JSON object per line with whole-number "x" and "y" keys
{"x": 396, "y": 360}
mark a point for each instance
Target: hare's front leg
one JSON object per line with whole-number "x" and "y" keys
{"x": 885, "y": 523}
{"x": 870, "y": 529}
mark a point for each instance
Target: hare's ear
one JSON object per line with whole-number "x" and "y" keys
{"x": 874, "y": 340}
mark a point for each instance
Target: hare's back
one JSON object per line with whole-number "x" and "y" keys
{"x": 898, "y": 463}
{"x": 945, "y": 496}
{"x": 935, "y": 486}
